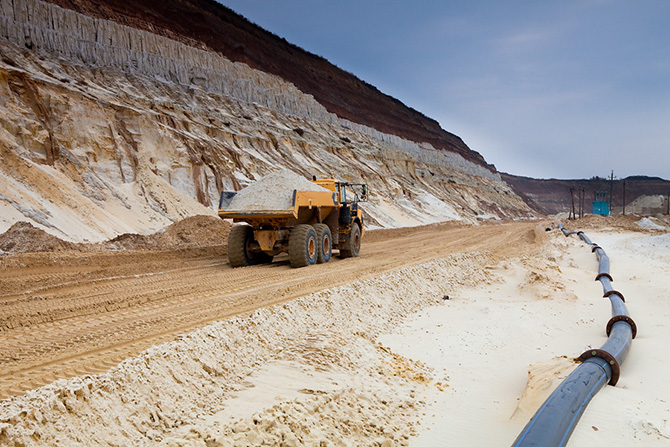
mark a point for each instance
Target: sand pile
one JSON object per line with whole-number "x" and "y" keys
{"x": 196, "y": 231}
{"x": 649, "y": 223}
{"x": 272, "y": 192}
{"x": 647, "y": 205}
{"x": 200, "y": 231}
{"x": 543, "y": 378}
{"x": 23, "y": 237}
{"x": 629, "y": 222}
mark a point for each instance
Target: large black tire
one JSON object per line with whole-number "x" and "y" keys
{"x": 240, "y": 240}
{"x": 302, "y": 246}
{"x": 324, "y": 242}
{"x": 352, "y": 246}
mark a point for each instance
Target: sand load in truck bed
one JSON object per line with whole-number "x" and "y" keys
{"x": 272, "y": 192}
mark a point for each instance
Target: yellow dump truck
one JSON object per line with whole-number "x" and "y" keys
{"x": 314, "y": 223}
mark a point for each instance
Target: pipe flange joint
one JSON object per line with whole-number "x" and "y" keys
{"x": 606, "y": 356}
{"x": 606, "y": 275}
{"x": 627, "y": 319}
{"x": 594, "y": 247}
{"x": 614, "y": 292}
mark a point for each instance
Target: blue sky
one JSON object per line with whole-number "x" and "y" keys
{"x": 562, "y": 89}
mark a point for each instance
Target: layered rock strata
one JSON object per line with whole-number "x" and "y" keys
{"x": 106, "y": 130}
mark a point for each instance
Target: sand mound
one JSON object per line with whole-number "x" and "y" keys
{"x": 649, "y": 223}
{"x": 192, "y": 232}
{"x": 23, "y": 237}
{"x": 629, "y": 222}
{"x": 196, "y": 231}
{"x": 272, "y": 192}
{"x": 647, "y": 205}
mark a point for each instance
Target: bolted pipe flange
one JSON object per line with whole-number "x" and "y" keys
{"x": 594, "y": 247}
{"x": 613, "y": 292}
{"x": 609, "y": 358}
{"x": 625, "y": 318}
{"x": 606, "y": 275}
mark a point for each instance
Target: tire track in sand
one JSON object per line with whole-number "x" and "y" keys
{"x": 87, "y": 327}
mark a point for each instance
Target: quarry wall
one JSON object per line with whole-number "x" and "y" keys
{"x": 106, "y": 129}
{"x": 97, "y": 42}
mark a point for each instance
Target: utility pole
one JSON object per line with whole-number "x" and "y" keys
{"x": 624, "y": 197}
{"x": 611, "y": 189}
{"x": 579, "y": 203}
{"x": 571, "y": 216}
{"x": 583, "y": 199}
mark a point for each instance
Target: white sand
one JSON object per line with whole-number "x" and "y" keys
{"x": 537, "y": 317}
{"x": 649, "y": 224}
{"x": 388, "y": 362}
{"x": 272, "y": 192}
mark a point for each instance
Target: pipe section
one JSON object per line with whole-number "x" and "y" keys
{"x": 555, "y": 420}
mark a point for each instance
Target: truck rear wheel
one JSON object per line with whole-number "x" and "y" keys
{"x": 240, "y": 250}
{"x": 352, "y": 246}
{"x": 302, "y": 246}
{"x": 239, "y": 246}
{"x": 324, "y": 243}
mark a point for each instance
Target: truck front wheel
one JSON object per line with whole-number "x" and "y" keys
{"x": 302, "y": 246}
{"x": 353, "y": 244}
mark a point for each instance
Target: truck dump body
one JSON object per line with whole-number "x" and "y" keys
{"x": 301, "y": 199}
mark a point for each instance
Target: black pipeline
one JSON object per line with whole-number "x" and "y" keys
{"x": 553, "y": 423}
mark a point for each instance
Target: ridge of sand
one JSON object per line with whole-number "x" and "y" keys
{"x": 195, "y": 231}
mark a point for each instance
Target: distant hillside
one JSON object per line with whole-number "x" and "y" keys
{"x": 208, "y": 23}
{"x": 553, "y": 196}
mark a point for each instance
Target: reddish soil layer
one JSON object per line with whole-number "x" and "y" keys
{"x": 206, "y": 23}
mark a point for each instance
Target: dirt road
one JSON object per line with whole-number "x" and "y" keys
{"x": 69, "y": 314}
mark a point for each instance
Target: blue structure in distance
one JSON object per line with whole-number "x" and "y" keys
{"x": 600, "y": 204}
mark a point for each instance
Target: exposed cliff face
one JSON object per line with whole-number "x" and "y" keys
{"x": 92, "y": 147}
{"x": 206, "y": 23}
